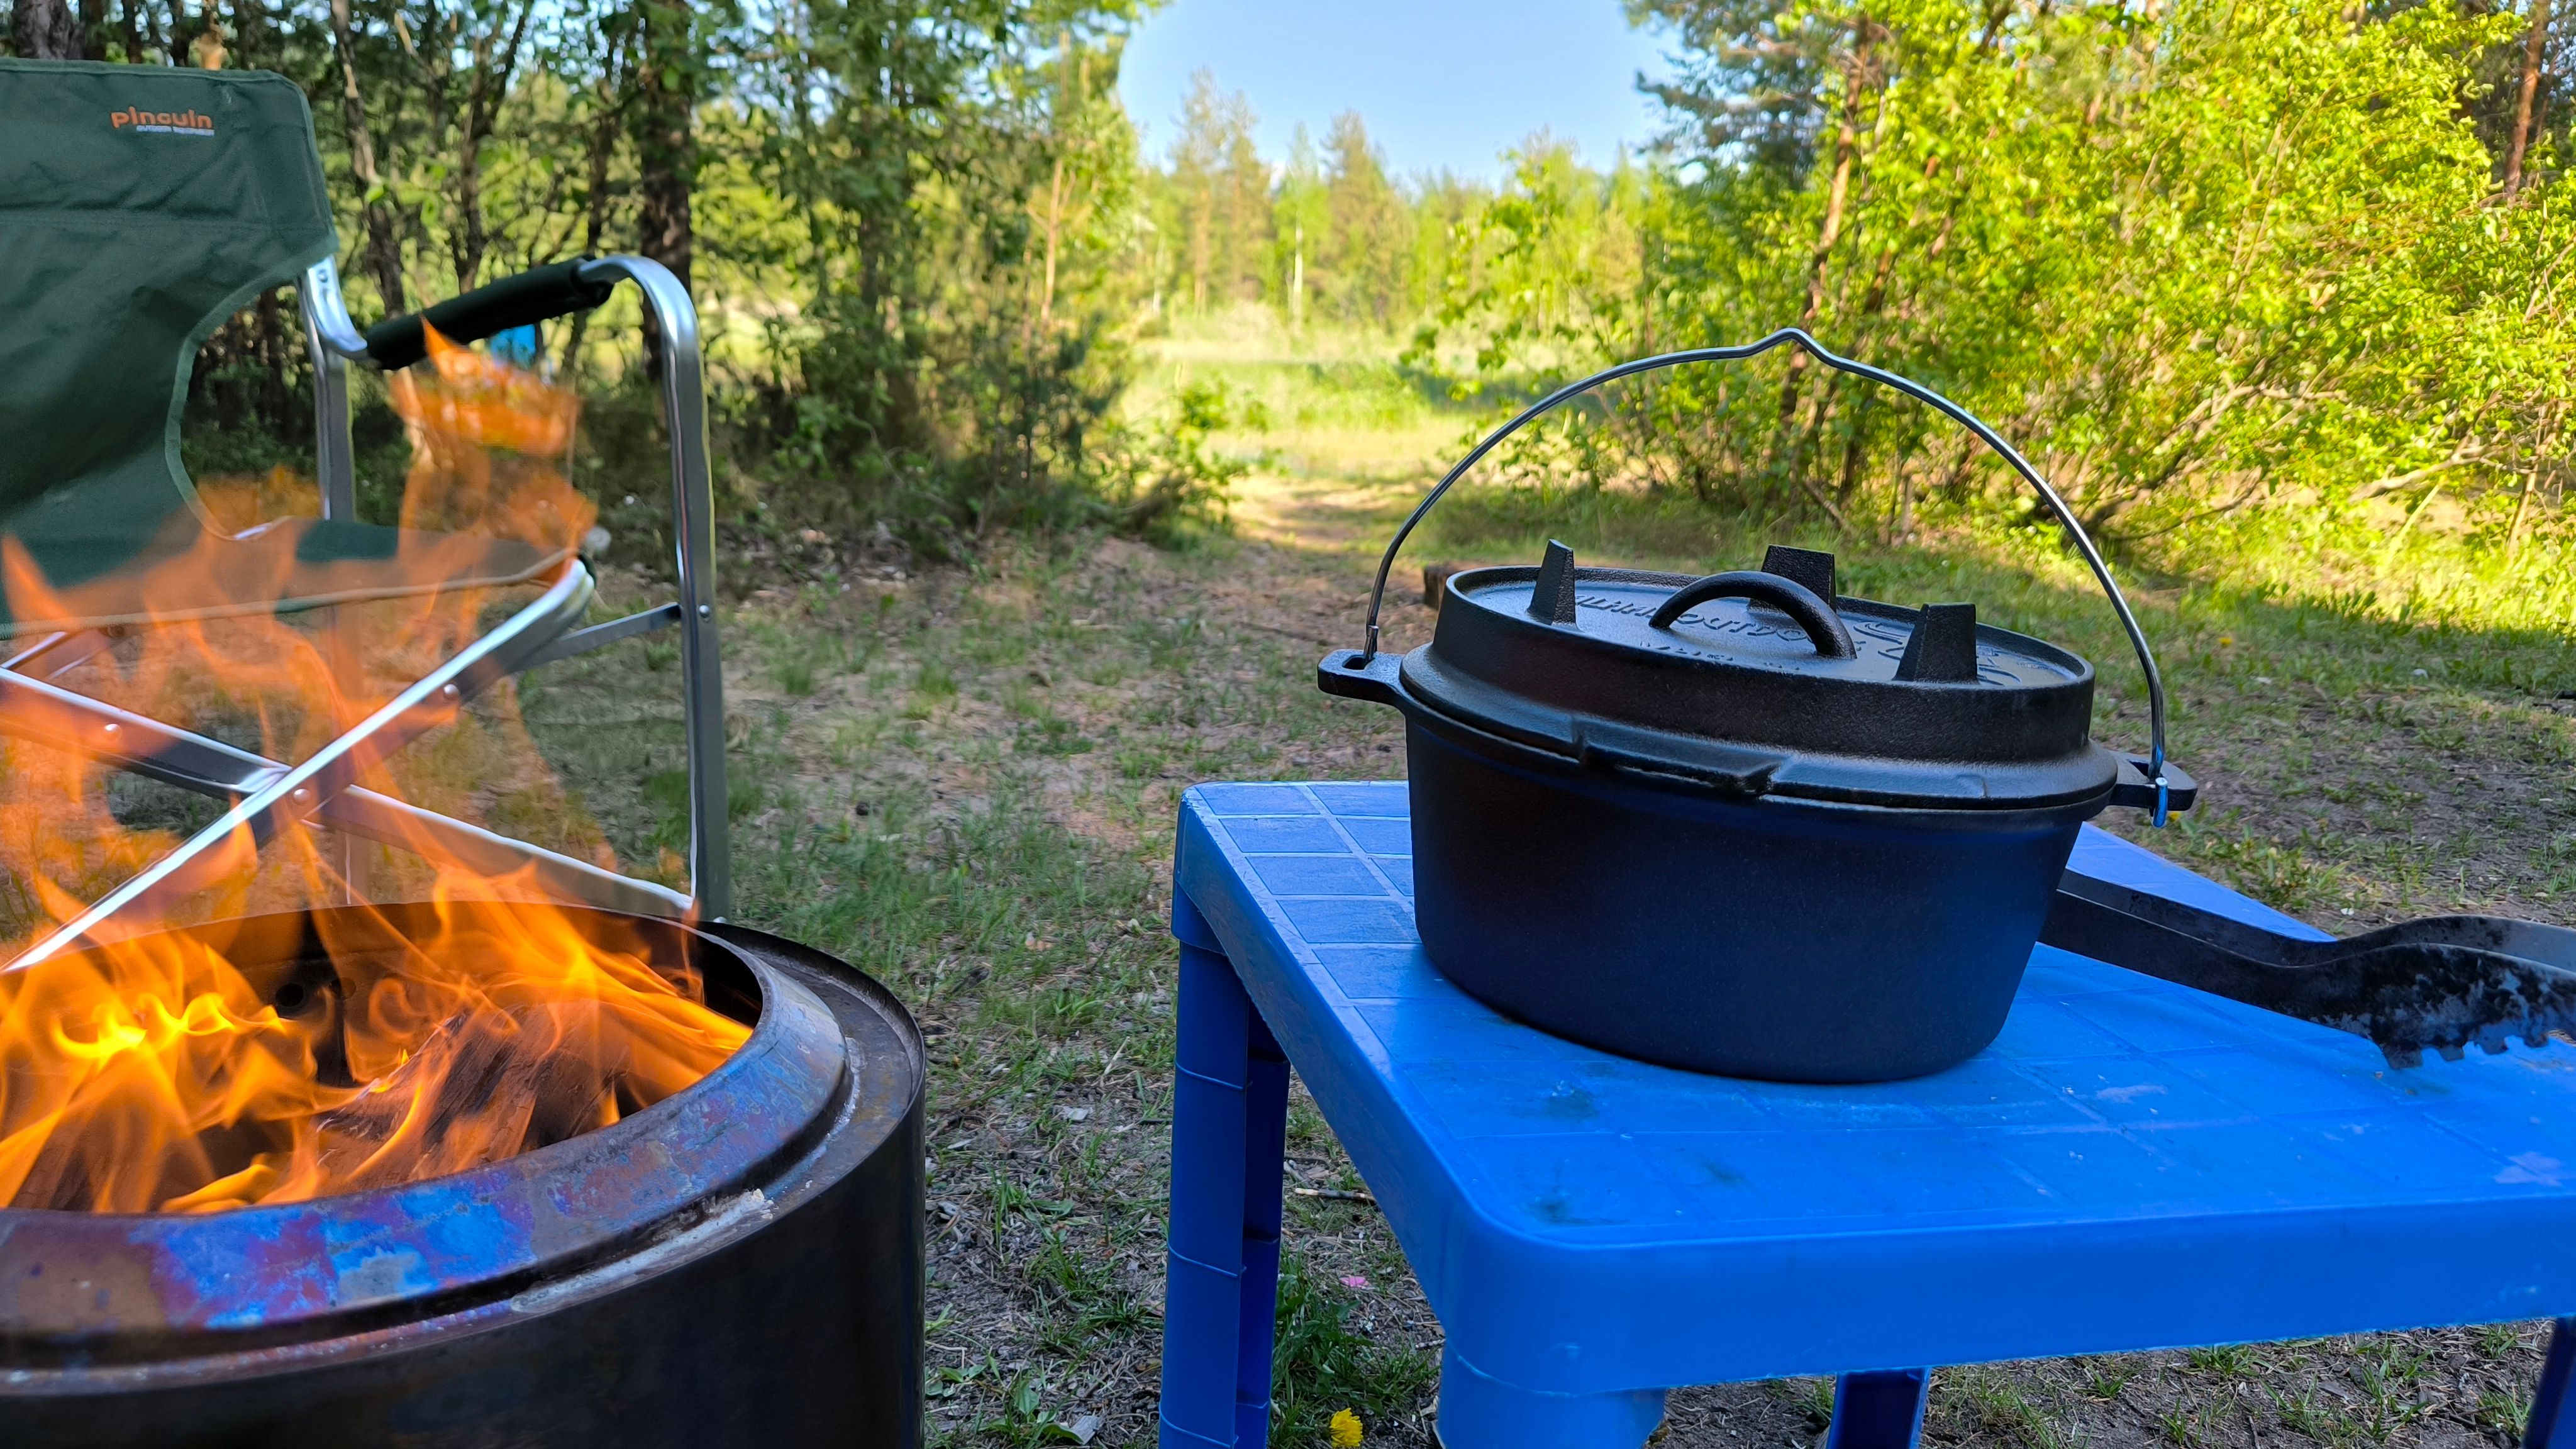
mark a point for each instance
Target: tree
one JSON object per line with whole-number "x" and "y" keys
{"x": 47, "y": 30}
{"x": 1221, "y": 191}
{"x": 1370, "y": 239}
{"x": 930, "y": 204}
{"x": 375, "y": 204}
{"x": 2200, "y": 261}
{"x": 1445, "y": 210}
{"x": 1301, "y": 222}
{"x": 1090, "y": 152}
{"x": 1750, "y": 78}
{"x": 2534, "y": 46}
{"x": 667, "y": 80}
{"x": 1545, "y": 274}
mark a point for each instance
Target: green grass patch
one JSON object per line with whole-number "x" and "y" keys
{"x": 1324, "y": 1360}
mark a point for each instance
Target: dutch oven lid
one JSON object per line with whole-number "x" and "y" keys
{"x": 1754, "y": 682}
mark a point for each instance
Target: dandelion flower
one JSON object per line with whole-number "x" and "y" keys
{"x": 1345, "y": 1429}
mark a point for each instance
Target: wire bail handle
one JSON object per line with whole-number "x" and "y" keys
{"x": 1817, "y": 350}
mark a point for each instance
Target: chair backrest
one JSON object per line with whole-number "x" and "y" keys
{"x": 140, "y": 206}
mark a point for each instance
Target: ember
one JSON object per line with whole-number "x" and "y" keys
{"x": 155, "y": 1072}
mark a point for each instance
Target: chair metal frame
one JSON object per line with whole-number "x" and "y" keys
{"x": 266, "y": 794}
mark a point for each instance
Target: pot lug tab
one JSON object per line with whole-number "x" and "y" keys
{"x": 1943, "y": 648}
{"x": 1552, "y": 597}
{"x": 1811, "y": 567}
{"x": 2136, "y": 787}
{"x": 1348, "y": 673}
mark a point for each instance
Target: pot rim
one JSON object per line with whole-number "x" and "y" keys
{"x": 1713, "y": 769}
{"x": 1652, "y": 789}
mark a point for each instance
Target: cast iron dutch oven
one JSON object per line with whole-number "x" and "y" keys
{"x": 1740, "y": 823}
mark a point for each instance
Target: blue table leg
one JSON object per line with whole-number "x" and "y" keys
{"x": 1879, "y": 1410}
{"x": 1265, "y": 1152}
{"x": 1477, "y": 1412}
{"x": 1221, "y": 1264}
{"x": 2553, "y": 1415}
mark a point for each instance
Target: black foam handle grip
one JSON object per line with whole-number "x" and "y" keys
{"x": 1824, "y": 627}
{"x": 555, "y": 290}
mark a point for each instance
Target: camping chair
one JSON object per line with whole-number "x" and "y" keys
{"x": 140, "y": 207}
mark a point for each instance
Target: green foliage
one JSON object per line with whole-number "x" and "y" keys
{"x": 1335, "y": 237}
{"x": 1323, "y": 1361}
{"x": 1175, "y": 482}
{"x": 907, "y": 225}
{"x": 1362, "y": 256}
{"x": 1546, "y": 272}
{"x": 2251, "y": 283}
{"x": 962, "y": 190}
{"x": 2240, "y": 279}
{"x": 1210, "y": 216}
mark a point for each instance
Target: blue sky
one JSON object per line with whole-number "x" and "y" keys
{"x": 1440, "y": 82}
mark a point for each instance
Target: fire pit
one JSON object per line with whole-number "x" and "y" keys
{"x": 738, "y": 1262}
{"x": 279, "y": 1166}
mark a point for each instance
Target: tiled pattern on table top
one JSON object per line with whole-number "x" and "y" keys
{"x": 2108, "y": 1096}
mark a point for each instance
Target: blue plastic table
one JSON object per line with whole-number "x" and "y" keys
{"x": 2132, "y": 1165}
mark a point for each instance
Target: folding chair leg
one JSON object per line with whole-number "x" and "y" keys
{"x": 352, "y": 868}
{"x": 335, "y": 461}
{"x": 684, "y": 405}
{"x": 335, "y": 452}
{"x": 349, "y": 671}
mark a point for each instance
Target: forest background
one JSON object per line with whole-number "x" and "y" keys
{"x": 2274, "y": 290}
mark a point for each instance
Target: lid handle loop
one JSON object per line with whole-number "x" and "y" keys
{"x": 1823, "y": 627}
{"x": 1792, "y": 336}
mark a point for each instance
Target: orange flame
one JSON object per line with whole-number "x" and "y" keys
{"x": 167, "y": 1072}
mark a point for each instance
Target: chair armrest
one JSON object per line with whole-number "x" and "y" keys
{"x": 555, "y": 290}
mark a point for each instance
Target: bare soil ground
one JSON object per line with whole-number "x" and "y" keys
{"x": 965, "y": 781}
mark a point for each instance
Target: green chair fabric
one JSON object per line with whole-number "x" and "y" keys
{"x": 140, "y": 206}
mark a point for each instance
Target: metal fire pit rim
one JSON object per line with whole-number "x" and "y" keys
{"x": 682, "y": 1339}
{"x": 159, "y": 1285}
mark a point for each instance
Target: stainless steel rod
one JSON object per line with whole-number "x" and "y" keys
{"x": 432, "y": 697}
{"x": 49, "y": 715}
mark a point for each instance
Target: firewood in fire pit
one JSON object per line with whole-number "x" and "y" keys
{"x": 480, "y": 1087}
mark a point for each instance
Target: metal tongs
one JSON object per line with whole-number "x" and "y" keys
{"x": 2442, "y": 983}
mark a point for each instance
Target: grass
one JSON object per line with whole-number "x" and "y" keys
{"x": 904, "y": 801}
{"x": 963, "y": 781}
{"x": 1327, "y": 401}
{"x": 2225, "y": 1362}
{"x": 2001, "y": 1408}
{"x": 1328, "y": 1357}
{"x": 2106, "y": 1379}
